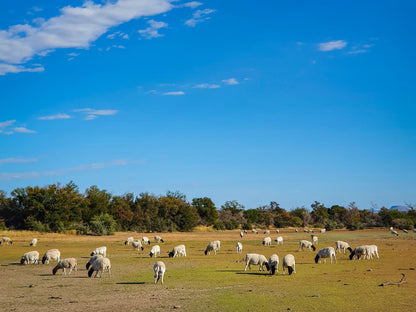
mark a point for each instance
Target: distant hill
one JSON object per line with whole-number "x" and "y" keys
{"x": 400, "y": 208}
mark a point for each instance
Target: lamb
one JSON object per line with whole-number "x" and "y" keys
{"x": 212, "y": 246}
{"x": 267, "y": 241}
{"x": 159, "y": 268}
{"x": 342, "y": 245}
{"x": 155, "y": 251}
{"x": 241, "y": 234}
{"x": 137, "y": 244}
{"x": 178, "y": 251}
{"x": 51, "y": 254}
{"x": 33, "y": 242}
{"x": 158, "y": 239}
{"x": 328, "y": 252}
{"x": 273, "y": 264}
{"x": 289, "y": 263}
{"x": 145, "y": 240}
{"x": 30, "y": 257}
{"x": 307, "y": 244}
{"x": 314, "y": 239}
{"x": 92, "y": 259}
{"x": 100, "y": 251}
{"x": 100, "y": 265}
{"x": 6, "y": 240}
{"x": 129, "y": 240}
{"x": 67, "y": 263}
{"x": 279, "y": 240}
{"x": 239, "y": 247}
{"x": 393, "y": 232}
{"x": 255, "y": 259}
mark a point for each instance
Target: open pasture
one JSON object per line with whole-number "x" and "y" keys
{"x": 210, "y": 283}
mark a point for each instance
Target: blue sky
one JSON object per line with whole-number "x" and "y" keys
{"x": 254, "y": 101}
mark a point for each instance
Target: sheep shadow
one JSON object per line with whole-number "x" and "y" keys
{"x": 130, "y": 283}
{"x": 253, "y": 273}
{"x": 13, "y": 263}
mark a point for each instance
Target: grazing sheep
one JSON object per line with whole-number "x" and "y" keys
{"x": 267, "y": 241}
{"x": 218, "y": 244}
{"x": 279, "y": 240}
{"x": 155, "y": 251}
{"x": 360, "y": 251}
{"x": 51, "y": 254}
{"x": 100, "y": 265}
{"x": 328, "y": 252}
{"x": 92, "y": 259}
{"x": 30, "y": 257}
{"x": 307, "y": 244}
{"x": 145, "y": 240}
{"x": 254, "y": 231}
{"x": 212, "y": 246}
{"x": 273, "y": 264}
{"x": 6, "y": 240}
{"x": 158, "y": 239}
{"x": 372, "y": 250}
{"x": 342, "y": 245}
{"x": 129, "y": 240}
{"x": 323, "y": 230}
{"x": 266, "y": 232}
{"x": 239, "y": 247}
{"x": 34, "y": 242}
{"x": 241, "y": 234}
{"x": 137, "y": 244}
{"x": 314, "y": 239}
{"x": 178, "y": 251}
{"x": 255, "y": 259}
{"x": 100, "y": 251}
{"x": 393, "y": 232}
{"x": 306, "y": 230}
{"x": 277, "y": 231}
{"x": 296, "y": 230}
{"x": 289, "y": 263}
{"x": 245, "y": 231}
{"x": 159, "y": 268}
{"x": 67, "y": 263}
{"x": 405, "y": 231}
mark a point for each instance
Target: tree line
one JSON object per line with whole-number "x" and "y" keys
{"x": 59, "y": 208}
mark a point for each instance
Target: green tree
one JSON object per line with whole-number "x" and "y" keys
{"x": 206, "y": 210}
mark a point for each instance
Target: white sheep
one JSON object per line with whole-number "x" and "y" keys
{"x": 100, "y": 265}
{"x": 212, "y": 246}
{"x": 405, "y": 231}
{"x": 267, "y": 232}
{"x": 255, "y": 259}
{"x": 245, "y": 231}
{"x": 323, "y": 230}
{"x": 360, "y": 251}
{"x": 254, "y": 231}
{"x": 372, "y": 250}
{"x": 129, "y": 240}
{"x": 67, "y": 263}
{"x": 92, "y": 259}
{"x": 30, "y": 257}
{"x": 145, "y": 240}
{"x": 218, "y": 244}
{"x": 296, "y": 230}
{"x": 178, "y": 251}
{"x": 239, "y": 247}
{"x": 289, "y": 263}
{"x": 314, "y": 239}
{"x": 137, "y": 244}
{"x": 267, "y": 241}
{"x": 159, "y": 268}
{"x": 273, "y": 264}
{"x": 342, "y": 245}
{"x": 391, "y": 228}
{"x": 155, "y": 251}
{"x": 158, "y": 239}
{"x": 51, "y": 254}
{"x": 6, "y": 240}
{"x": 279, "y": 240}
{"x": 306, "y": 244}
{"x": 241, "y": 234}
{"x": 393, "y": 232}
{"x": 277, "y": 231}
{"x": 100, "y": 251}
{"x": 327, "y": 252}
{"x": 34, "y": 242}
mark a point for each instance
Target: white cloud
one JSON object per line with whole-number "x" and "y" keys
{"x": 207, "y": 86}
{"x": 53, "y": 117}
{"x": 5, "y": 124}
{"x": 358, "y": 51}
{"x": 75, "y": 27}
{"x": 151, "y": 92}
{"x": 231, "y": 81}
{"x": 192, "y": 5}
{"x": 118, "y": 34}
{"x": 152, "y": 31}
{"x": 198, "y": 17}
{"x": 9, "y": 68}
{"x": 17, "y": 160}
{"x": 174, "y": 93}
{"x": 94, "y": 113}
{"x": 332, "y": 45}
{"x": 23, "y": 130}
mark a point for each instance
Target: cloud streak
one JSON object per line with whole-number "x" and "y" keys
{"x": 174, "y": 93}
{"x": 230, "y": 82}
{"x": 199, "y": 16}
{"x": 153, "y": 30}
{"x": 95, "y": 113}
{"x": 54, "y": 117}
{"x": 17, "y": 160}
{"x": 332, "y": 45}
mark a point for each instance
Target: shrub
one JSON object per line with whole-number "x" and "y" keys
{"x": 103, "y": 224}
{"x": 402, "y": 223}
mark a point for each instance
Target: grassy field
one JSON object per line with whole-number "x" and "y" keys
{"x": 210, "y": 283}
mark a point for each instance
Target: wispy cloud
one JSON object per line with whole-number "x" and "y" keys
{"x": 231, "y": 81}
{"x": 207, "y": 86}
{"x": 17, "y": 160}
{"x": 23, "y": 130}
{"x": 153, "y": 30}
{"x": 95, "y": 113}
{"x": 174, "y": 93}
{"x": 192, "y": 5}
{"x": 15, "y": 69}
{"x": 332, "y": 45}
{"x": 54, "y": 117}
{"x": 5, "y": 124}
{"x": 199, "y": 16}
{"x": 118, "y": 34}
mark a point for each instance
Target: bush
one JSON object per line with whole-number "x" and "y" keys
{"x": 402, "y": 223}
{"x": 356, "y": 225}
{"x": 218, "y": 225}
{"x": 247, "y": 226}
{"x": 3, "y": 226}
{"x": 103, "y": 224}
{"x": 34, "y": 225}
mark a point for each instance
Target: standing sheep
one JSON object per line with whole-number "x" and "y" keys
{"x": 241, "y": 234}
{"x": 159, "y": 268}
{"x": 314, "y": 239}
{"x": 178, "y": 251}
{"x": 100, "y": 251}
{"x": 267, "y": 241}
{"x": 273, "y": 264}
{"x": 51, "y": 254}
{"x": 307, "y": 244}
{"x": 342, "y": 245}
{"x": 328, "y": 252}
{"x": 67, "y": 263}
{"x": 100, "y": 265}
{"x": 129, "y": 240}
{"x": 239, "y": 247}
{"x": 218, "y": 244}
{"x": 137, "y": 244}
{"x": 145, "y": 240}
{"x": 33, "y": 242}
{"x": 279, "y": 240}
{"x": 158, "y": 239}
{"x": 323, "y": 230}
{"x": 30, "y": 257}
{"x": 6, "y": 240}
{"x": 155, "y": 251}
{"x": 255, "y": 259}
{"x": 289, "y": 263}
{"x": 212, "y": 246}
